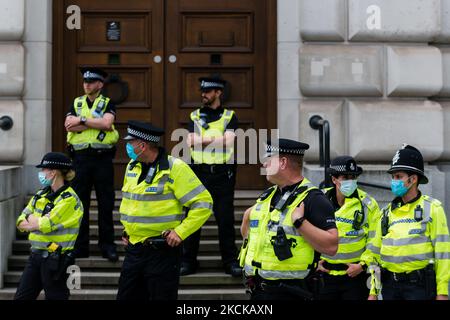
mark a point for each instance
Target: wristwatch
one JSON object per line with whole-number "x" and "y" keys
{"x": 83, "y": 120}
{"x": 298, "y": 222}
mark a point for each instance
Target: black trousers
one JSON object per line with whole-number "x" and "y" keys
{"x": 221, "y": 187}
{"x": 149, "y": 273}
{"x": 95, "y": 171}
{"x": 405, "y": 290}
{"x": 37, "y": 276}
{"x": 344, "y": 287}
{"x": 271, "y": 292}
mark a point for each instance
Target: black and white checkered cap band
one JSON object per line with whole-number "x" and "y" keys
{"x": 143, "y": 136}
{"x": 274, "y": 149}
{"x": 92, "y": 75}
{"x": 339, "y": 168}
{"x": 64, "y": 164}
{"x": 206, "y": 84}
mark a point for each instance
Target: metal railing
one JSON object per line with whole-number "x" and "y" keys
{"x": 318, "y": 123}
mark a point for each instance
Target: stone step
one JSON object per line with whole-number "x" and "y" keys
{"x": 111, "y": 279}
{"x": 208, "y": 231}
{"x": 110, "y": 294}
{"x": 22, "y": 247}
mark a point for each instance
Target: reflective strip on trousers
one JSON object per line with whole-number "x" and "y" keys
{"x": 351, "y": 240}
{"x": 58, "y": 232}
{"x": 275, "y": 274}
{"x": 405, "y": 241}
{"x": 192, "y": 194}
{"x": 346, "y": 256}
{"x": 151, "y": 220}
{"x": 40, "y": 244}
{"x": 409, "y": 258}
{"x": 201, "y": 205}
{"x": 147, "y": 197}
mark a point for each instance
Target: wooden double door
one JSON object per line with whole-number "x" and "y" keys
{"x": 156, "y": 50}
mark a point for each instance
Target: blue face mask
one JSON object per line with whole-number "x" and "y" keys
{"x": 131, "y": 153}
{"x": 398, "y": 188}
{"x": 43, "y": 180}
{"x": 348, "y": 187}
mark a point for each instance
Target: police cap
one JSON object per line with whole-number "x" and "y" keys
{"x": 211, "y": 83}
{"x": 409, "y": 159}
{"x": 93, "y": 74}
{"x": 143, "y": 131}
{"x": 344, "y": 165}
{"x": 55, "y": 160}
{"x": 286, "y": 146}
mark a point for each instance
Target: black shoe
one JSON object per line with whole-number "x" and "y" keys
{"x": 234, "y": 269}
{"x": 187, "y": 268}
{"x": 110, "y": 254}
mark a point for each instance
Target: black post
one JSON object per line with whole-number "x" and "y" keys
{"x": 318, "y": 123}
{"x": 6, "y": 123}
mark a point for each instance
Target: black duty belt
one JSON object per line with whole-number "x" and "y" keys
{"x": 211, "y": 168}
{"x": 45, "y": 253}
{"x": 413, "y": 276}
{"x": 94, "y": 152}
{"x": 335, "y": 266}
{"x": 297, "y": 287}
{"x": 153, "y": 243}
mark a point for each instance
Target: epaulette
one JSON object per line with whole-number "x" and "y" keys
{"x": 266, "y": 193}
{"x": 66, "y": 195}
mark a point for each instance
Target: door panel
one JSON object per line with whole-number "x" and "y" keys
{"x": 233, "y": 38}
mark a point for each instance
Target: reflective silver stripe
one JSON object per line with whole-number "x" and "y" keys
{"x": 150, "y": 220}
{"x": 40, "y": 244}
{"x": 346, "y": 256}
{"x": 426, "y": 214}
{"x": 201, "y": 205}
{"x": 101, "y": 146}
{"x": 371, "y": 234}
{"x": 283, "y": 274}
{"x": 249, "y": 270}
{"x": 147, "y": 197}
{"x": 351, "y": 240}
{"x": 366, "y": 202}
{"x": 171, "y": 161}
{"x": 405, "y": 241}
{"x": 58, "y": 232}
{"x": 27, "y": 211}
{"x": 442, "y": 255}
{"x": 80, "y": 146}
{"x": 192, "y": 194}
{"x": 162, "y": 182}
{"x": 410, "y": 258}
{"x": 38, "y": 210}
{"x": 373, "y": 248}
{"x": 228, "y": 119}
{"x": 258, "y": 207}
{"x": 292, "y": 231}
{"x": 441, "y": 238}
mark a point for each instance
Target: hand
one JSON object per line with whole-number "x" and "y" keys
{"x": 298, "y": 212}
{"x": 125, "y": 241}
{"x": 72, "y": 121}
{"x": 354, "y": 269}
{"x": 33, "y": 223}
{"x": 321, "y": 268}
{"x": 172, "y": 238}
{"x": 441, "y": 297}
{"x": 372, "y": 297}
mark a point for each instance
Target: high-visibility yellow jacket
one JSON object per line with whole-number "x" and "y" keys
{"x": 212, "y": 154}
{"x": 257, "y": 253}
{"x": 352, "y": 242}
{"x": 59, "y": 219}
{"x": 410, "y": 244}
{"x": 150, "y": 207}
{"x": 94, "y": 138}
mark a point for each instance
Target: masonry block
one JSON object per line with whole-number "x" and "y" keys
{"x": 341, "y": 70}
{"x": 12, "y": 141}
{"x": 12, "y": 19}
{"x": 378, "y": 128}
{"x": 414, "y": 71}
{"x": 322, "y": 20}
{"x": 12, "y": 60}
{"x": 445, "y": 92}
{"x": 398, "y": 20}
{"x": 333, "y": 111}
{"x": 446, "y": 111}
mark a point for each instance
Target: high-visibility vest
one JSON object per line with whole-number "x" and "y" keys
{"x": 59, "y": 220}
{"x": 93, "y": 138}
{"x": 417, "y": 234}
{"x": 352, "y": 242}
{"x": 157, "y": 203}
{"x": 212, "y": 154}
{"x": 258, "y": 256}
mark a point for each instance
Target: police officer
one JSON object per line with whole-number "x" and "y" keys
{"x": 412, "y": 242}
{"x": 282, "y": 231}
{"x": 91, "y": 138}
{"x": 157, "y": 190}
{"x": 356, "y": 212}
{"x": 211, "y": 140}
{"x": 52, "y": 217}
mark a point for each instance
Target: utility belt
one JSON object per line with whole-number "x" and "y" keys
{"x": 56, "y": 261}
{"x": 92, "y": 152}
{"x": 335, "y": 266}
{"x": 212, "y": 168}
{"x": 156, "y": 243}
{"x": 296, "y": 287}
{"x": 415, "y": 276}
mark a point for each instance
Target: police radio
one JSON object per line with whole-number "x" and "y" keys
{"x": 150, "y": 175}
{"x": 385, "y": 222}
{"x": 282, "y": 245}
